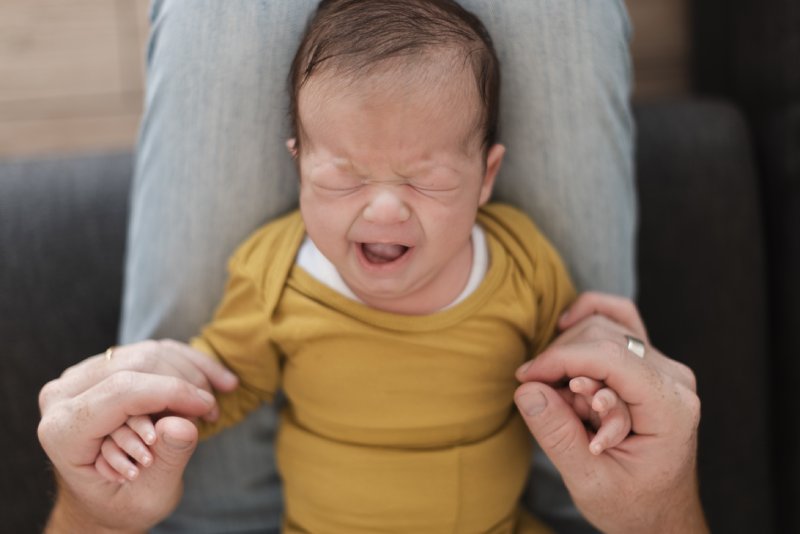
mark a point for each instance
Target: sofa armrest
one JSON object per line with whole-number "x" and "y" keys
{"x": 703, "y": 292}
{"x": 62, "y": 239}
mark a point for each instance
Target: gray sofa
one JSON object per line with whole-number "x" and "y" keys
{"x": 702, "y": 266}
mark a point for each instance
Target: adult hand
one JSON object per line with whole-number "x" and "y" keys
{"x": 92, "y": 399}
{"x": 648, "y": 482}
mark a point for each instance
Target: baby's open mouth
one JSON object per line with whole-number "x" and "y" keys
{"x": 383, "y": 252}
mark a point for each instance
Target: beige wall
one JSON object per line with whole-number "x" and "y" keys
{"x": 71, "y": 73}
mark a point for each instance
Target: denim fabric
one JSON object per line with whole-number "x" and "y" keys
{"x": 212, "y": 166}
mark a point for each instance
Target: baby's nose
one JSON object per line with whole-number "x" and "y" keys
{"x": 386, "y": 208}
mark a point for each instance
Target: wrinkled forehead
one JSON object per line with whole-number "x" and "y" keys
{"x": 440, "y": 81}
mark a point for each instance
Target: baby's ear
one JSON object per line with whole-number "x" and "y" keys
{"x": 291, "y": 146}
{"x": 494, "y": 159}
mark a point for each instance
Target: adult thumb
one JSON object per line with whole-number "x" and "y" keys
{"x": 556, "y": 427}
{"x": 177, "y": 439}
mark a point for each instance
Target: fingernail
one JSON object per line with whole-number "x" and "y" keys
{"x": 207, "y": 397}
{"x": 149, "y": 438}
{"x": 230, "y": 377}
{"x": 212, "y": 416}
{"x": 532, "y": 403}
{"x": 524, "y": 367}
{"x": 132, "y": 473}
{"x": 146, "y": 459}
{"x": 575, "y": 384}
{"x": 595, "y": 448}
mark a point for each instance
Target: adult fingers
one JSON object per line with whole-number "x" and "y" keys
{"x": 105, "y": 406}
{"x": 599, "y": 328}
{"x": 604, "y": 361}
{"x": 216, "y": 373}
{"x": 618, "y": 309}
{"x": 193, "y": 365}
{"x": 157, "y": 357}
{"x": 636, "y": 381}
{"x": 556, "y": 427}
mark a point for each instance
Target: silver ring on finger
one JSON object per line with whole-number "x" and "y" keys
{"x": 635, "y": 345}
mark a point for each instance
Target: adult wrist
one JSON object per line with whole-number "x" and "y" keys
{"x": 683, "y": 515}
{"x": 69, "y": 516}
{"x": 689, "y": 519}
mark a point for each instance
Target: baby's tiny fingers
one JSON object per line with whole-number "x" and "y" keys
{"x": 609, "y": 435}
{"x": 604, "y": 400}
{"x": 583, "y": 385}
{"x": 615, "y": 426}
{"x": 107, "y": 472}
{"x": 213, "y": 415}
{"x": 132, "y": 444}
{"x": 118, "y": 460}
{"x": 144, "y": 427}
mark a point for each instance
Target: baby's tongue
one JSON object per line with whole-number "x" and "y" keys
{"x": 383, "y": 252}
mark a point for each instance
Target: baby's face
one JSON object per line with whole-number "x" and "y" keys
{"x": 392, "y": 175}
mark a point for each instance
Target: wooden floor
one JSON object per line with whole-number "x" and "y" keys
{"x": 71, "y": 73}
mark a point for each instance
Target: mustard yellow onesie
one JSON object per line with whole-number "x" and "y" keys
{"x": 394, "y": 423}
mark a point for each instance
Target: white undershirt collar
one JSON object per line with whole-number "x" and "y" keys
{"x": 311, "y": 260}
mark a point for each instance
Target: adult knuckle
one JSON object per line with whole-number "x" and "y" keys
{"x": 591, "y": 295}
{"x": 628, "y": 305}
{"x": 688, "y": 376}
{"x": 44, "y": 433}
{"x": 176, "y": 386}
{"x": 693, "y": 406}
{"x": 147, "y": 346}
{"x": 611, "y": 350}
{"x": 47, "y": 393}
{"x": 169, "y": 344}
{"x": 595, "y": 330}
{"x": 122, "y": 380}
{"x": 50, "y": 427}
{"x": 147, "y": 359}
{"x": 45, "y": 429}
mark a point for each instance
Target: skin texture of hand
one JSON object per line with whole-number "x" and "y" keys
{"x": 646, "y": 483}
{"x": 97, "y": 396}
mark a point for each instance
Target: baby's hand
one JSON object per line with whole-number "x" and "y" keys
{"x": 608, "y": 415}
{"x": 126, "y": 445}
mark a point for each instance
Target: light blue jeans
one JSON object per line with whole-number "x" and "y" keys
{"x": 212, "y": 166}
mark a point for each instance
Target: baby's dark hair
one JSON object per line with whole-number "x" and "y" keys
{"x": 347, "y": 37}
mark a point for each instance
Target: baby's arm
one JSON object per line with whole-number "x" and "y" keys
{"x": 608, "y": 415}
